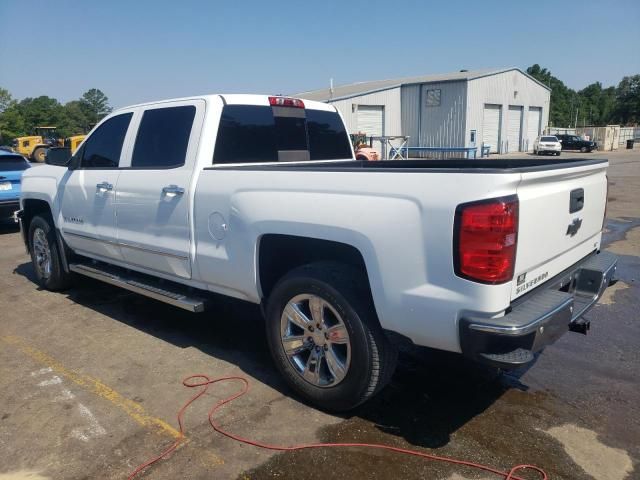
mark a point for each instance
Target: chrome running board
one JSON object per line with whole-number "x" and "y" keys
{"x": 164, "y": 291}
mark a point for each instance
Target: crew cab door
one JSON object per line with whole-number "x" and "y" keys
{"x": 154, "y": 192}
{"x": 86, "y": 194}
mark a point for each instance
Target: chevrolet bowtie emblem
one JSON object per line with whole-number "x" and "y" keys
{"x": 574, "y": 226}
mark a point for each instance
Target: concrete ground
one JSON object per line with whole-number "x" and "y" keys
{"x": 90, "y": 383}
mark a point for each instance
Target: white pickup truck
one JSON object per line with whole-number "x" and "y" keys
{"x": 260, "y": 198}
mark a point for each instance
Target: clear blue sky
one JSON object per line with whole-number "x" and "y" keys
{"x": 138, "y": 50}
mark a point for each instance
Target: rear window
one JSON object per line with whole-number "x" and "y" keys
{"x": 253, "y": 134}
{"x": 328, "y": 138}
{"x": 13, "y": 163}
{"x": 548, "y": 139}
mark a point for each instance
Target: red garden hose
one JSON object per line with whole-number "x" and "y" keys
{"x": 205, "y": 381}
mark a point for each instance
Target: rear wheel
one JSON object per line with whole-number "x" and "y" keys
{"x": 325, "y": 338}
{"x": 39, "y": 154}
{"x": 45, "y": 255}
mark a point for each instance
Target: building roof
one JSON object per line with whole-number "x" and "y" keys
{"x": 362, "y": 88}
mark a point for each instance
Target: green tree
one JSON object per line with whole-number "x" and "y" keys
{"x": 41, "y": 111}
{"x": 5, "y": 99}
{"x": 12, "y": 123}
{"x": 628, "y": 100}
{"x": 597, "y": 104}
{"x": 95, "y": 105}
{"x": 74, "y": 120}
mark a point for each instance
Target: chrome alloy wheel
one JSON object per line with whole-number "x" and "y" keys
{"x": 315, "y": 340}
{"x": 42, "y": 253}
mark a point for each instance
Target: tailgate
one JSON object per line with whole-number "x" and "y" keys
{"x": 560, "y": 221}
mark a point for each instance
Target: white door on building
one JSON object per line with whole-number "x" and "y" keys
{"x": 491, "y": 127}
{"x": 534, "y": 115}
{"x": 514, "y": 129}
{"x": 370, "y": 120}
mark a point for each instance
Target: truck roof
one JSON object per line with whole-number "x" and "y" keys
{"x": 235, "y": 99}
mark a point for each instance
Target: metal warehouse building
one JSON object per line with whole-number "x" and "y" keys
{"x": 506, "y": 109}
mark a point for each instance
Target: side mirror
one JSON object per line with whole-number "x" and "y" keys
{"x": 59, "y": 156}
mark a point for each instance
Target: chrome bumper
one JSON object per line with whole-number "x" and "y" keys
{"x": 541, "y": 317}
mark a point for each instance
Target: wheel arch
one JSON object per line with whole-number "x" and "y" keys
{"x": 278, "y": 254}
{"x": 30, "y": 208}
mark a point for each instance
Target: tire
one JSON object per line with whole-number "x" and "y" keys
{"x": 535, "y": 152}
{"x": 362, "y": 356}
{"x": 583, "y": 149}
{"x": 39, "y": 155}
{"x": 45, "y": 255}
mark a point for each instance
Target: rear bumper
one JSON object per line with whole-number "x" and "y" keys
{"x": 541, "y": 317}
{"x": 8, "y": 208}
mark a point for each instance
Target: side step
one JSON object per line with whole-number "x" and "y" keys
{"x": 165, "y": 291}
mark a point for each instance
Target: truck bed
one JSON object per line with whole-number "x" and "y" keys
{"x": 507, "y": 165}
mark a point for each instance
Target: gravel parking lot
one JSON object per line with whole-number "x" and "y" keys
{"x": 90, "y": 384}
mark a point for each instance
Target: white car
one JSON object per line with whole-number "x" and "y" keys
{"x": 547, "y": 144}
{"x": 261, "y": 198}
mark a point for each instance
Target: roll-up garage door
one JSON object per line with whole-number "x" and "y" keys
{"x": 514, "y": 129}
{"x": 370, "y": 120}
{"x": 491, "y": 127}
{"x": 533, "y": 125}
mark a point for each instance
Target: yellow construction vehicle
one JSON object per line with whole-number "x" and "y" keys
{"x": 74, "y": 142}
{"x": 35, "y": 147}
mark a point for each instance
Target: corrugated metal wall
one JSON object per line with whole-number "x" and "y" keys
{"x": 499, "y": 89}
{"x": 434, "y": 126}
{"x": 460, "y": 110}
{"x": 389, "y": 98}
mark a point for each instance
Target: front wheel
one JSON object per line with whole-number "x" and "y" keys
{"x": 45, "y": 255}
{"x": 584, "y": 149}
{"x": 325, "y": 338}
{"x": 39, "y": 155}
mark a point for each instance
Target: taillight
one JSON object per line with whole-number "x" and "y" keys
{"x": 485, "y": 239}
{"x": 286, "y": 102}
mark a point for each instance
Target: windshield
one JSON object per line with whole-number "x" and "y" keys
{"x": 12, "y": 163}
{"x": 548, "y": 139}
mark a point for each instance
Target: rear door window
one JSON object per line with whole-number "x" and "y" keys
{"x": 102, "y": 149}
{"x": 246, "y": 135}
{"x": 254, "y": 134}
{"x": 163, "y": 137}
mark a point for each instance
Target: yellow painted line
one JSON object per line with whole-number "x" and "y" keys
{"x": 95, "y": 386}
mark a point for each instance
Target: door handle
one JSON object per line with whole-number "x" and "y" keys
{"x": 104, "y": 187}
{"x": 172, "y": 190}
